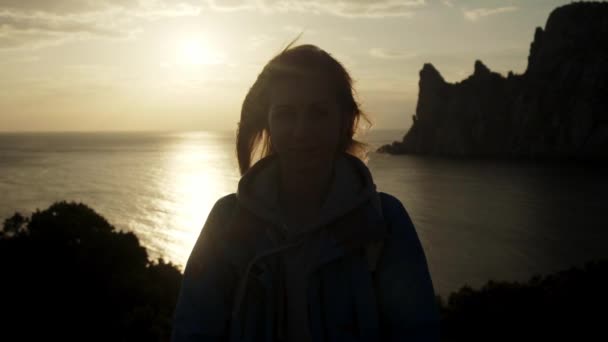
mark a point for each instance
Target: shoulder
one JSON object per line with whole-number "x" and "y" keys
{"x": 399, "y": 223}
{"x": 220, "y": 212}
{"x": 213, "y": 230}
{"x": 389, "y": 200}
{"x": 223, "y": 205}
{"x": 225, "y": 201}
{"x": 228, "y": 220}
{"x": 393, "y": 210}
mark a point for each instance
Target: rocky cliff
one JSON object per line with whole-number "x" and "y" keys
{"x": 556, "y": 109}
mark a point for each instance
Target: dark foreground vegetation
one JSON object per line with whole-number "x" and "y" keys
{"x": 68, "y": 274}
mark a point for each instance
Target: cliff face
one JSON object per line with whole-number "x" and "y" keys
{"x": 557, "y": 109}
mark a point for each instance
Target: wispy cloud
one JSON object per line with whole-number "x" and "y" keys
{"x": 14, "y": 39}
{"x": 234, "y": 5}
{"x": 34, "y": 30}
{"x": 168, "y": 9}
{"x": 343, "y": 8}
{"x": 38, "y": 23}
{"x": 448, "y": 3}
{"x": 477, "y": 13}
{"x": 391, "y": 54}
{"x": 55, "y": 23}
{"x": 68, "y": 7}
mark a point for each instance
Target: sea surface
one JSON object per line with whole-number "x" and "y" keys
{"x": 477, "y": 220}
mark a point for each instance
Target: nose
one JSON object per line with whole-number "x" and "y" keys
{"x": 301, "y": 129}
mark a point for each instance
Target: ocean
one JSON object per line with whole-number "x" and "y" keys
{"x": 477, "y": 220}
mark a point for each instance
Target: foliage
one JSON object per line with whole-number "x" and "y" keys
{"x": 68, "y": 274}
{"x": 568, "y": 304}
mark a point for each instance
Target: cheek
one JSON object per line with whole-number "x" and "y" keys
{"x": 332, "y": 132}
{"x": 328, "y": 138}
{"x": 325, "y": 132}
{"x": 280, "y": 135}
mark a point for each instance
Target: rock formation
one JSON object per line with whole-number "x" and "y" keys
{"x": 556, "y": 109}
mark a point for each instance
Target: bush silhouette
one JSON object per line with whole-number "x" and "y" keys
{"x": 567, "y": 304}
{"x": 69, "y": 274}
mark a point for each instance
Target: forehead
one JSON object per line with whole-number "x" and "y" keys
{"x": 302, "y": 90}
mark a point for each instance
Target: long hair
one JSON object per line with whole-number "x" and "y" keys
{"x": 253, "y": 133}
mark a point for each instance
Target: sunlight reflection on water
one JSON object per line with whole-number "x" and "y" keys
{"x": 201, "y": 169}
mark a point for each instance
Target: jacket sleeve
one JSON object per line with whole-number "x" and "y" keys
{"x": 406, "y": 299}
{"x": 203, "y": 306}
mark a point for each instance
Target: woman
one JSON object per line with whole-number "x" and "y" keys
{"x": 306, "y": 249}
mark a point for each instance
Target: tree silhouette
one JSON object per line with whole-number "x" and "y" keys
{"x": 69, "y": 274}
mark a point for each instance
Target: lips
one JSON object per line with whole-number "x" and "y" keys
{"x": 303, "y": 149}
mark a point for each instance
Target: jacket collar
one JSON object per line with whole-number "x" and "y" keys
{"x": 351, "y": 214}
{"x": 351, "y": 185}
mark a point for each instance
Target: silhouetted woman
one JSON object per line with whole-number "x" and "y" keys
{"x": 306, "y": 249}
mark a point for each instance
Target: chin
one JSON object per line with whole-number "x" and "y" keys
{"x": 308, "y": 164}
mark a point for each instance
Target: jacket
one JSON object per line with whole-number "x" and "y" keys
{"x": 367, "y": 281}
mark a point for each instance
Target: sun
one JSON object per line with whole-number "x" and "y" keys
{"x": 194, "y": 52}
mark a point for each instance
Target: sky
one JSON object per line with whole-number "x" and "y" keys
{"x": 129, "y": 65}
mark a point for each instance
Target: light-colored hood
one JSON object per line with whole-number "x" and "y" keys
{"x": 351, "y": 185}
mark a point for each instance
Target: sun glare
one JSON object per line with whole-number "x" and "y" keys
{"x": 193, "y": 52}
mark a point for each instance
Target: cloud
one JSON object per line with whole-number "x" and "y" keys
{"x": 35, "y": 30}
{"x": 61, "y": 7}
{"x": 165, "y": 10}
{"x": 38, "y": 23}
{"x": 141, "y": 8}
{"x": 477, "y": 13}
{"x": 234, "y": 5}
{"x": 390, "y": 54}
{"x": 448, "y": 3}
{"x": 11, "y": 39}
{"x": 54, "y": 23}
{"x": 343, "y": 8}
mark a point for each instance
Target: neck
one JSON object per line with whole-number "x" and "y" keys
{"x": 304, "y": 190}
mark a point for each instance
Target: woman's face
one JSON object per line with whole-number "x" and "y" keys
{"x": 305, "y": 122}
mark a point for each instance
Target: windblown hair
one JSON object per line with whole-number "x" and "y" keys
{"x": 253, "y": 134}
